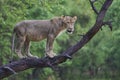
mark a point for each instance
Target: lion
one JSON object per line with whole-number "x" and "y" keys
{"x": 36, "y": 30}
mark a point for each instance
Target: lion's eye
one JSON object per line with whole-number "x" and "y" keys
{"x": 68, "y": 22}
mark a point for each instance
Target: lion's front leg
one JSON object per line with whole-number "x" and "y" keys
{"x": 49, "y": 46}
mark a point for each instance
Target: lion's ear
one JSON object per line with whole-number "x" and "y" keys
{"x": 53, "y": 20}
{"x": 63, "y": 17}
{"x": 75, "y": 18}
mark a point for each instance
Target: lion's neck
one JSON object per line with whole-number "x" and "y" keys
{"x": 61, "y": 26}
{"x": 60, "y": 29}
{"x": 58, "y": 26}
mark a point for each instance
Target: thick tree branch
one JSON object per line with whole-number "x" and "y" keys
{"x": 27, "y": 63}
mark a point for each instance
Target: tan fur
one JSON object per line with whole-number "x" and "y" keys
{"x": 37, "y": 30}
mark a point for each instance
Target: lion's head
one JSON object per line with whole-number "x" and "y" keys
{"x": 69, "y": 23}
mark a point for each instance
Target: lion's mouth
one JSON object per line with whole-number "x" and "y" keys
{"x": 70, "y": 31}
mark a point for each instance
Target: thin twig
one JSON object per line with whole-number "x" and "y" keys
{"x": 93, "y": 7}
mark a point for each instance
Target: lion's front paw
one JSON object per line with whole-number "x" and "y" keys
{"x": 30, "y": 55}
{"x": 51, "y": 55}
{"x": 20, "y": 55}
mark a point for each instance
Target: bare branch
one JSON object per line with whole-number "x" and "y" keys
{"x": 28, "y": 63}
{"x": 93, "y": 7}
{"x": 109, "y": 23}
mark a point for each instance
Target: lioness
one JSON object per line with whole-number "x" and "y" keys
{"x": 37, "y": 30}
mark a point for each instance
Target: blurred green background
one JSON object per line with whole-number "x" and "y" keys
{"x": 97, "y": 60}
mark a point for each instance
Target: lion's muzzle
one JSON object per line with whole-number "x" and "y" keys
{"x": 70, "y": 30}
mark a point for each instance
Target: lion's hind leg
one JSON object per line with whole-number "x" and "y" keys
{"x": 20, "y": 42}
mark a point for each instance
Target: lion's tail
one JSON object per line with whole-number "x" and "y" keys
{"x": 13, "y": 42}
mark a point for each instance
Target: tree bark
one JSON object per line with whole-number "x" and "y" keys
{"x": 27, "y": 63}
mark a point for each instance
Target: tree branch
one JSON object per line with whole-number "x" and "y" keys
{"x": 28, "y": 63}
{"x": 93, "y": 7}
{"x": 109, "y": 23}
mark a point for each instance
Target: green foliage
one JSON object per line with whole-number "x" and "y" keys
{"x": 98, "y": 60}
{"x": 114, "y": 57}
